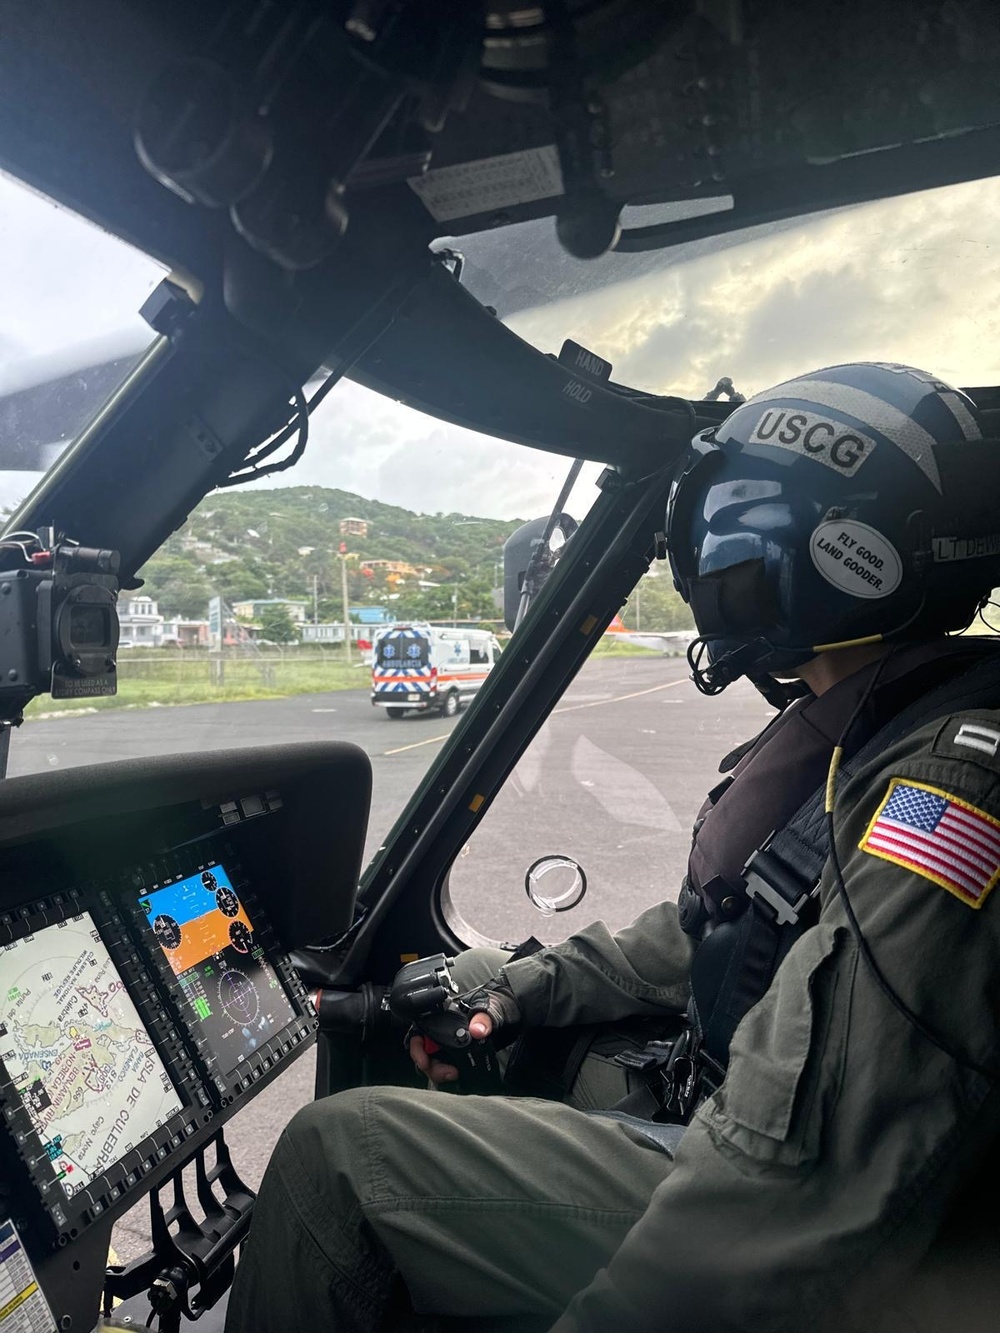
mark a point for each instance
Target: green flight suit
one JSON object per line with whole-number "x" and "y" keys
{"x": 841, "y": 1178}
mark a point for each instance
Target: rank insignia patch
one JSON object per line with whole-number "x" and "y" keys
{"x": 939, "y": 836}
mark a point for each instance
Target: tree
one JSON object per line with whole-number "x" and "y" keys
{"x": 256, "y": 544}
{"x": 178, "y": 585}
{"x": 660, "y": 607}
{"x": 276, "y": 625}
{"x": 463, "y": 601}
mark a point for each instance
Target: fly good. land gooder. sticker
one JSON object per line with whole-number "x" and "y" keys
{"x": 855, "y": 558}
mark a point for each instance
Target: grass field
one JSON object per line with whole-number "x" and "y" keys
{"x": 169, "y": 677}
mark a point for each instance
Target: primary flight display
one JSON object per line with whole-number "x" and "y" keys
{"x": 231, "y": 990}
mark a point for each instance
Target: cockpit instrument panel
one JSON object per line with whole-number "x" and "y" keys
{"x": 132, "y": 1010}
{"x": 219, "y": 970}
{"x": 147, "y": 911}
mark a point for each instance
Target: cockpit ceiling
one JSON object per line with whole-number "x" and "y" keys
{"x": 287, "y": 128}
{"x": 294, "y": 164}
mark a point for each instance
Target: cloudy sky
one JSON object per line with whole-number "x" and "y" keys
{"x": 914, "y": 280}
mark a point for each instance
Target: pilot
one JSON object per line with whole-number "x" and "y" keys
{"x": 839, "y": 1076}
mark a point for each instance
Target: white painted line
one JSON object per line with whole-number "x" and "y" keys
{"x": 324, "y": 710}
{"x": 618, "y": 698}
{"x": 433, "y": 740}
{"x": 613, "y": 699}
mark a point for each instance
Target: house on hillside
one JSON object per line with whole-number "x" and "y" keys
{"x": 354, "y": 527}
{"x": 253, "y": 610}
{"x": 395, "y": 571}
{"x": 207, "y": 552}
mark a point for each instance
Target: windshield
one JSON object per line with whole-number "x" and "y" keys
{"x": 70, "y": 330}
{"x": 269, "y": 615}
{"x": 911, "y": 280}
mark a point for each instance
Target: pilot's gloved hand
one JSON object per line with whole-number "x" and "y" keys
{"x": 437, "y": 1071}
{"x": 494, "y": 1013}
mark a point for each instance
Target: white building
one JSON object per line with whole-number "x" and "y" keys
{"x": 333, "y": 633}
{"x": 141, "y": 623}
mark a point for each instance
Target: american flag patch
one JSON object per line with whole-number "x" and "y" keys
{"x": 939, "y": 836}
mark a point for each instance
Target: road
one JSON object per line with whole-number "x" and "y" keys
{"x": 614, "y": 779}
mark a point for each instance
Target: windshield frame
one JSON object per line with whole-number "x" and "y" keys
{"x": 603, "y": 561}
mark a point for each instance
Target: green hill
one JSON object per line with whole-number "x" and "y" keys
{"x": 256, "y": 544}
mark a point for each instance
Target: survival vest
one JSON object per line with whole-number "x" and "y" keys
{"x": 747, "y": 921}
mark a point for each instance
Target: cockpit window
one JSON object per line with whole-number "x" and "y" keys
{"x": 900, "y": 280}
{"x": 265, "y": 617}
{"x": 70, "y": 331}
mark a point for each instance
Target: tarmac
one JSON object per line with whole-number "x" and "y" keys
{"x": 614, "y": 780}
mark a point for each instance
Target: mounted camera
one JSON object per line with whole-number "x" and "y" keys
{"x": 58, "y": 620}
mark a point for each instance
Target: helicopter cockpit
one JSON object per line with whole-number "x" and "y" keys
{"x": 316, "y": 181}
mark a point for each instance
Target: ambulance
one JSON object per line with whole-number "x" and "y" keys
{"x": 425, "y": 668}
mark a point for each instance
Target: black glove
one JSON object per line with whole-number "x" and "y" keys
{"x": 495, "y": 999}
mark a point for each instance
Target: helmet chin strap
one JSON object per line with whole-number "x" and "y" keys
{"x": 779, "y": 693}
{"x": 713, "y": 677}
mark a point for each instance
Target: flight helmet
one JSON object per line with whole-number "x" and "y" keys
{"x": 854, "y": 504}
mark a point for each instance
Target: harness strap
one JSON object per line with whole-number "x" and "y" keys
{"x": 735, "y": 964}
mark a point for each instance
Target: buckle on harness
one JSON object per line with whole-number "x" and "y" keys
{"x": 681, "y": 1079}
{"x": 654, "y": 1055}
{"x": 772, "y": 882}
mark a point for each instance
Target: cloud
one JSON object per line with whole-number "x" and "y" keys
{"x": 911, "y": 279}
{"x": 361, "y": 441}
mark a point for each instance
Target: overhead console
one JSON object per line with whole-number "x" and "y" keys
{"x": 146, "y": 914}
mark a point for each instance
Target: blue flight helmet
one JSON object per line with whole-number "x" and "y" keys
{"x": 850, "y": 505}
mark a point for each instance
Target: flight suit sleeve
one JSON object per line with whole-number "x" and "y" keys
{"x": 596, "y": 976}
{"x": 817, "y": 1187}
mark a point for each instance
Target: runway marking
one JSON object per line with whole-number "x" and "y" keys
{"x": 614, "y": 699}
{"x": 432, "y": 740}
{"x": 618, "y": 698}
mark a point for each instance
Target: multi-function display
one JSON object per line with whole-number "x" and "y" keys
{"x": 135, "y": 1010}
{"x": 77, "y": 1052}
{"x": 231, "y": 992}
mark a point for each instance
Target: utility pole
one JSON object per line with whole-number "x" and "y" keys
{"x": 454, "y": 609}
{"x": 315, "y": 599}
{"x": 347, "y": 608}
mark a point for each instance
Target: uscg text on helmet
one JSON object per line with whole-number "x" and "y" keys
{"x": 838, "y": 446}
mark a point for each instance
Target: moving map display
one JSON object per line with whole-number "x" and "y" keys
{"x": 76, "y": 1050}
{"x": 232, "y": 992}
